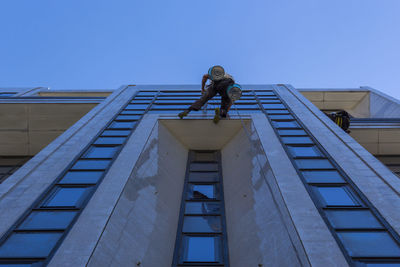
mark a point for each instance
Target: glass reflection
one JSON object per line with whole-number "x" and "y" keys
{"x": 201, "y": 191}
{"x": 202, "y": 208}
{"x": 336, "y": 196}
{"x": 202, "y": 249}
{"x": 201, "y": 224}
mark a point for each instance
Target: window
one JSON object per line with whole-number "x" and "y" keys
{"x": 205, "y": 208}
{"x": 322, "y": 177}
{"x": 122, "y": 125}
{"x": 47, "y": 220}
{"x": 304, "y": 151}
{"x": 136, "y": 106}
{"x": 292, "y": 132}
{"x": 91, "y": 165}
{"x": 170, "y": 107}
{"x": 66, "y": 197}
{"x": 101, "y": 152}
{"x": 201, "y": 191}
{"x": 204, "y": 167}
{"x": 273, "y": 106}
{"x": 281, "y": 117}
{"x": 110, "y": 141}
{"x": 277, "y": 111}
{"x": 313, "y": 164}
{"x": 81, "y": 177}
{"x": 285, "y": 124}
{"x": 132, "y": 112}
{"x": 202, "y": 224}
{"x": 297, "y": 140}
{"x": 353, "y": 219}
{"x": 336, "y": 196}
{"x": 29, "y": 245}
{"x": 115, "y": 133}
{"x": 203, "y": 176}
{"x": 369, "y": 244}
{"x": 128, "y": 117}
{"x": 201, "y": 249}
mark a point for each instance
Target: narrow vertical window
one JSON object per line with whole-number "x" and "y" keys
{"x": 201, "y": 236}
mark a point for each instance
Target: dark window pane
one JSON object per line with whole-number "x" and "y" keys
{"x": 273, "y": 106}
{"x": 203, "y": 176}
{"x": 20, "y": 265}
{"x": 29, "y": 245}
{"x": 202, "y": 192}
{"x": 377, "y": 264}
{"x": 285, "y": 124}
{"x": 143, "y": 98}
{"x": 128, "y": 117}
{"x": 122, "y": 125}
{"x": 369, "y": 244}
{"x": 201, "y": 249}
{"x": 291, "y": 132}
{"x": 281, "y": 117}
{"x": 132, "y": 112}
{"x": 110, "y": 141}
{"x": 277, "y": 111}
{"x": 66, "y": 197}
{"x": 313, "y": 164}
{"x": 115, "y": 133}
{"x": 174, "y": 101}
{"x": 203, "y": 167}
{"x": 202, "y": 207}
{"x": 42, "y": 220}
{"x": 268, "y": 98}
{"x": 6, "y": 169}
{"x": 101, "y": 152}
{"x": 304, "y": 151}
{"x": 297, "y": 140}
{"x": 245, "y": 101}
{"x": 141, "y": 101}
{"x": 246, "y": 106}
{"x": 336, "y": 196}
{"x": 201, "y": 224}
{"x": 185, "y": 98}
{"x": 77, "y": 177}
{"x": 322, "y": 177}
{"x": 270, "y": 101}
{"x": 205, "y": 156}
{"x": 170, "y": 107}
{"x": 91, "y": 165}
{"x": 352, "y": 219}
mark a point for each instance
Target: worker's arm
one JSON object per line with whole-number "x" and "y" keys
{"x": 203, "y": 82}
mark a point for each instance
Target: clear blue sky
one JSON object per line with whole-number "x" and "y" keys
{"x": 96, "y": 44}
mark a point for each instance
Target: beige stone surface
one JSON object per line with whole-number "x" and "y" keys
{"x": 13, "y": 117}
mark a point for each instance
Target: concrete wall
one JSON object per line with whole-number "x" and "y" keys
{"x": 142, "y": 227}
{"x": 257, "y": 233}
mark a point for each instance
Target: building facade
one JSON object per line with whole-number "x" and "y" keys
{"x": 114, "y": 178}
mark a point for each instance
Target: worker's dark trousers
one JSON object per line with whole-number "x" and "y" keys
{"x": 220, "y": 88}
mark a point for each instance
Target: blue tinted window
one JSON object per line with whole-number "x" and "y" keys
{"x": 273, "y": 106}
{"x": 203, "y": 176}
{"x": 322, "y": 177}
{"x": 182, "y": 93}
{"x": 79, "y": 177}
{"x": 132, "y": 112}
{"x": 174, "y": 106}
{"x": 297, "y": 140}
{"x": 101, "y": 152}
{"x": 202, "y": 207}
{"x": 247, "y": 106}
{"x": 142, "y": 98}
{"x": 369, "y": 244}
{"x": 29, "y": 245}
{"x": 110, "y": 141}
{"x": 201, "y": 224}
{"x": 313, "y": 164}
{"x": 202, "y": 192}
{"x": 246, "y": 101}
{"x": 386, "y": 264}
{"x": 285, "y": 124}
{"x": 352, "y": 219}
{"x": 291, "y": 132}
{"x": 202, "y": 249}
{"x": 268, "y": 93}
{"x": 205, "y": 156}
{"x": 336, "y": 196}
{"x": 203, "y": 167}
{"x": 270, "y": 101}
{"x": 115, "y": 133}
{"x": 128, "y": 117}
{"x": 141, "y": 101}
{"x": 41, "y": 220}
{"x": 144, "y": 93}
{"x": 304, "y": 151}
{"x": 277, "y": 111}
{"x": 66, "y": 197}
{"x": 268, "y": 98}
{"x": 137, "y": 106}
{"x": 281, "y": 117}
{"x": 122, "y": 124}
{"x": 190, "y": 98}
{"x": 173, "y": 101}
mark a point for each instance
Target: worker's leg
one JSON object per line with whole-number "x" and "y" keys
{"x": 209, "y": 93}
{"x": 226, "y": 104}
